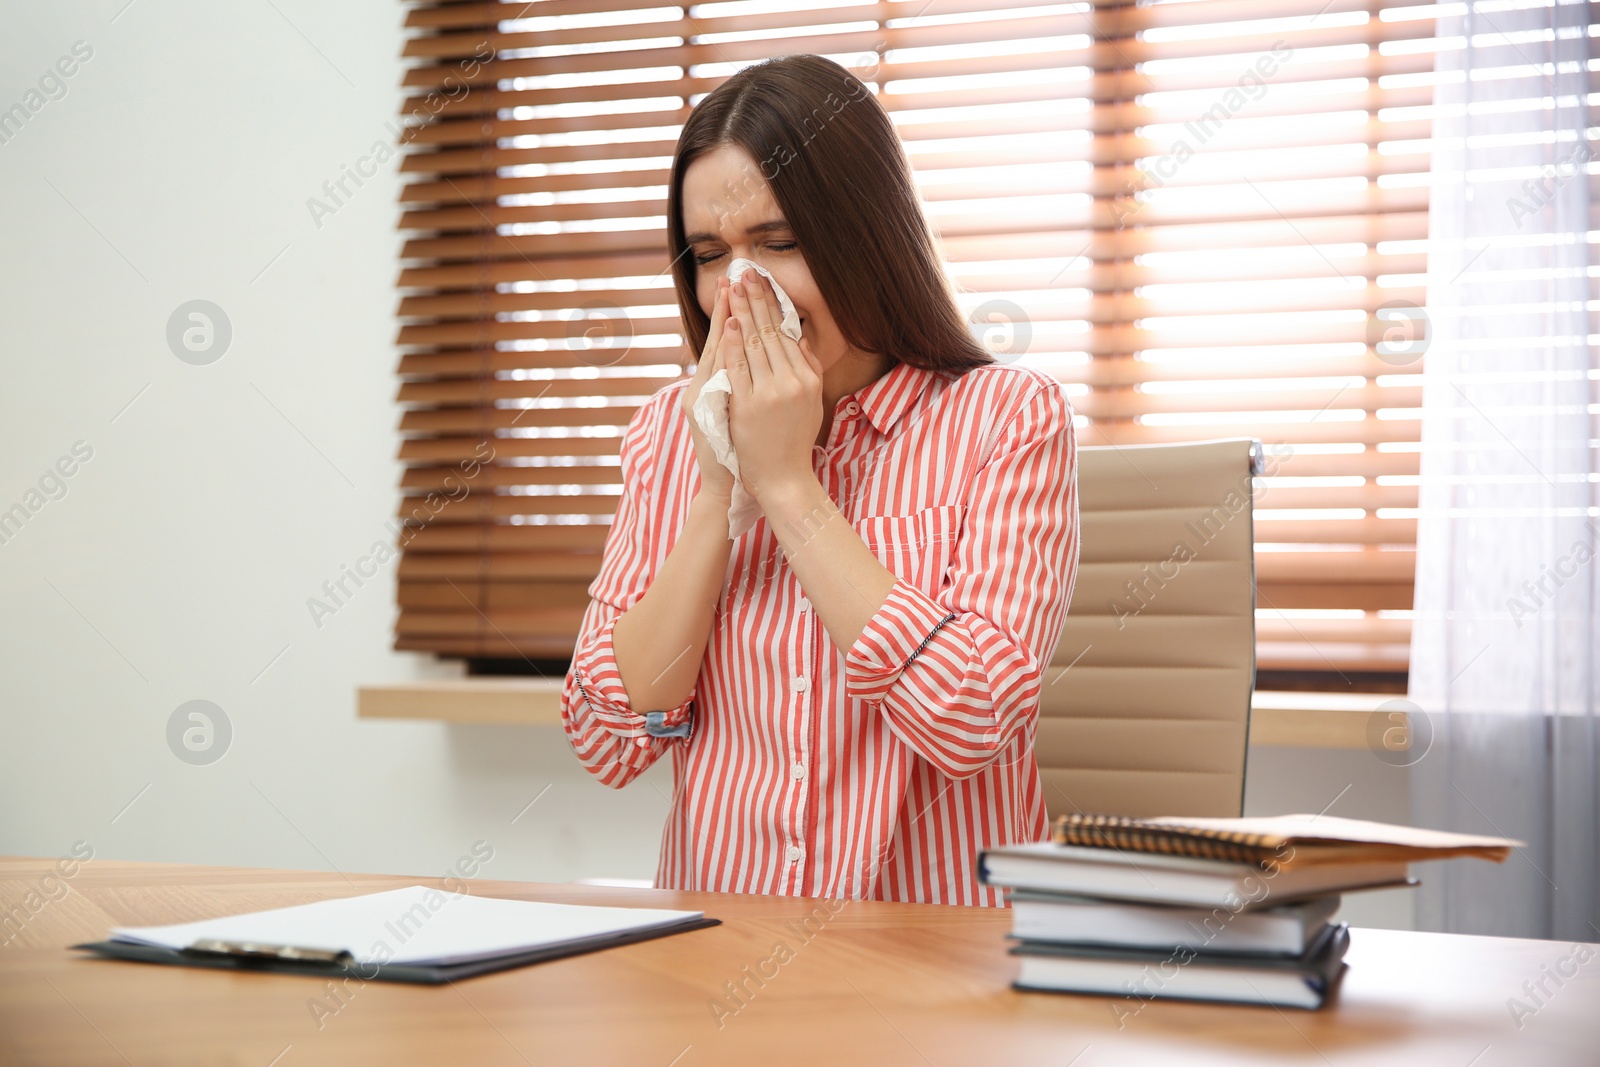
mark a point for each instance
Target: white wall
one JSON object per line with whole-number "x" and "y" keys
{"x": 177, "y": 565}
{"x": 1350, "y": 782}
{"x": 177, "y": 166}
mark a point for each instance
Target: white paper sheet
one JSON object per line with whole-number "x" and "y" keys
{"x": 415, "y": 925}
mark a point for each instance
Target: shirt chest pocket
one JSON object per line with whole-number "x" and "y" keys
{"x": 917, "y": 547}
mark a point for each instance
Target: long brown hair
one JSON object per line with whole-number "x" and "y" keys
{"x": 835, "y": 165}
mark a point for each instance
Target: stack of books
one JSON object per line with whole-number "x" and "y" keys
{"x": 1237, "y": 910}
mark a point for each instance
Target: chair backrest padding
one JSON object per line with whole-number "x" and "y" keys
{"x": 1146, "y": 704}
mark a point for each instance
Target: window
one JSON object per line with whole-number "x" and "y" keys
{"x": 1209, "y": 218}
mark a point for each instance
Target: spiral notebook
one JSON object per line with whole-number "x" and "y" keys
{"x": 416, "y": 934}
{"x": 1281, "y": 840}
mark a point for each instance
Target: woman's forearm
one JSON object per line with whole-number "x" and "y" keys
{"x": 660, "y": 641}
{"x": 844, "y": 581}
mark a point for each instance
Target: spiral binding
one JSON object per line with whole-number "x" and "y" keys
{"x": 1136, "y": 835}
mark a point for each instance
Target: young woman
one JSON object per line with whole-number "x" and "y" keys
{"x": 849, "y": 690}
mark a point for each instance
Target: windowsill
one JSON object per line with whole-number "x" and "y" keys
{"x": 1304, "y": 720}
{"x": 1325, "y": 720}
{"x": 485, "y": 701}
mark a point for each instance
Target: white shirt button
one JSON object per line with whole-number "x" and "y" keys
{"x": 851, "y": 408}
{"x": 794, "y": 853}
{"x": 805, "y": 605}
{"x": 798, "y": 685}
{"x": 798, "y": 771}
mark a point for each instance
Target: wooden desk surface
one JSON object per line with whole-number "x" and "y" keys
{"x": 870, "y": 983}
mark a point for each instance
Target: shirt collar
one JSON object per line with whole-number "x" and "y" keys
{"x": 890, "y": 396}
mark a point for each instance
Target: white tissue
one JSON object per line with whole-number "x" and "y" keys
{"x": 711, "y": 407}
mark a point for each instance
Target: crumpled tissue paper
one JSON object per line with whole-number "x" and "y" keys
{"x": 711, "y": 407}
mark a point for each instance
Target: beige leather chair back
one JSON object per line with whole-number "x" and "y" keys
{"x": 1146, "y": 705}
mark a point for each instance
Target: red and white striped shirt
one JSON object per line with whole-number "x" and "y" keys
{"x": 880, "y": 771}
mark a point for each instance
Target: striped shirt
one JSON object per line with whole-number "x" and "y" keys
{"x": 880, "y": 771}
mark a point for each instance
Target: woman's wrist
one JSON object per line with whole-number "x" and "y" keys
{"x": 779, "y": 490}
{"x": 710, "y": 507}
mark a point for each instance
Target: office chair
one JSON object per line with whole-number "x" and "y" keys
{"x": 1146, "y": 702}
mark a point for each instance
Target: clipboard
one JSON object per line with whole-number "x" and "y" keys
{"x": 481, "y": 936}
{"x": 289, "y": 959}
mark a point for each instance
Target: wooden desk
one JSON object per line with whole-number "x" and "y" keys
{"x": 872, "y": 983}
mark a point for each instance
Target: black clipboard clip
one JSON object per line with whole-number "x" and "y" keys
{"x": 256, "y": 951}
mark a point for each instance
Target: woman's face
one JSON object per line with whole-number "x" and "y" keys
{"x": 729, "y": 213}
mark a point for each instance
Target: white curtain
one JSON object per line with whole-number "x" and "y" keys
{"x": 1505, "y": 636}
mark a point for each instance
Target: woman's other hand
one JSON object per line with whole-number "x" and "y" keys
{"x": 776, "y": 409}
{"x": 716, "y": 481}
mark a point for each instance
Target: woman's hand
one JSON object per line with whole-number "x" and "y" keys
{"x": 716, "y": 481}
{"x": 776, "y": 410}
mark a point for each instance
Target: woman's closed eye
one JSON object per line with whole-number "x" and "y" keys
{"x": 777, "y": 246}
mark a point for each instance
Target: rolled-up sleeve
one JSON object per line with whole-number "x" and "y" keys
{"x": 606, "y": 731}
{"x": 957, "y": 675}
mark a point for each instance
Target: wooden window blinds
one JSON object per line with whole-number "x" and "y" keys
{"x": 1208, "y": 217}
